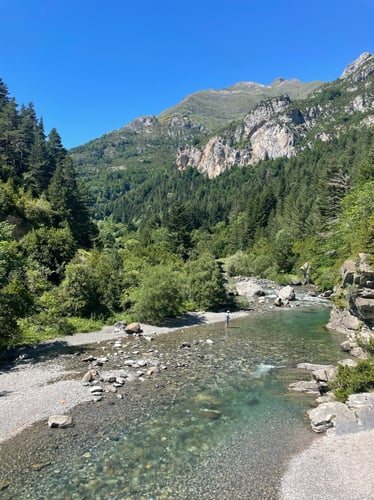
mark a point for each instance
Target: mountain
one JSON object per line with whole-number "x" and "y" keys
{"x": 154, "y": 140}
{"x": 216, "y": 108}
{"x": 281, "y": 127}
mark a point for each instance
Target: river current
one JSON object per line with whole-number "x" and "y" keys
{"x": 218, "y": 423}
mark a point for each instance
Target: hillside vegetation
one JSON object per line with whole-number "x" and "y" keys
{"x": 124, "y": 233}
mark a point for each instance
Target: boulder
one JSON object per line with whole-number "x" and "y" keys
{"x": 306, "y": 386}
{"x": 328, "y": 415}
{"x": 324, "y": 375}
{"x": 346, "y": 346}
{"x": 305, "y": 271}
{"x": 360, "y": 400}
{"x": 352, "y": 363}
{"x": 133, "y": 328}
{"x": 364, "y": 307}
{"x": 60, "y": 421}
{"x": 343, "y": 321}
{"x": 313, "y": 367}
{"x": 90, "y": 376}
{"x": 287, "y": 293}
{"x": 249, "y": 289}
{"x": 278, "y": 302}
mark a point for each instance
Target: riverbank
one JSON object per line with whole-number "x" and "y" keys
{"x": 40, "y": 387}
{"x": 332, "y": 468}
{"x": 31, "y": 391}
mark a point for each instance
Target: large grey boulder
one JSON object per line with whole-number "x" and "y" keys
{"x": 249, "y": 288}
{"x": 329, "y": 415}
{"x": 285, "y": 295}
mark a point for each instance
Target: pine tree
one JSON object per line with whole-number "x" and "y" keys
{"x": 68, "y": 203}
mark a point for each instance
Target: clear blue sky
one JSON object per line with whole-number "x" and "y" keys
{"x": 92, "y": 66}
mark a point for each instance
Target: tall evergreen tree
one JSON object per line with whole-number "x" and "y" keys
{"x": 67, "y": 201}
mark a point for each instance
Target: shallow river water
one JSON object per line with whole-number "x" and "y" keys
{"x": 218, "y": 423}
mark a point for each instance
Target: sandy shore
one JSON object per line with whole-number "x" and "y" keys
{"x": 333, "y": 468}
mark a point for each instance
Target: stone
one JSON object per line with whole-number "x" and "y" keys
{"x": 152, "y": 370}
{"x": 295, "y": 282}
{"x": 185, "y": 345}
{"x": 133, "y": 328}
{"x": 278, "y": 302}
{"x": 355, "y": 401}
{"x": 365, "y": 416}
{"x": 209, "y": 413}
{"x": 313, "y": 367}
{"x": 346, "y": 346}
{"x": 327, "y": 415}
{"x": 287, "y": 293}
{"x": 308, "y": 387}
{"x": 60, "y": 421}
{"x": 324, "y": 375}
{"x": 249, "y": 289}
{"x": 89, "y": 376}
{"x": 89, "y": 358}
{"x": 348, "y": 362}
{"x": 96, "y": 388}
{"x": 365, "y": 308}
{"x": 343, "y": 321}
{"x": 120, "y": 380}
{"x": 142, "y": 362}
{"x": 305, "y": 271}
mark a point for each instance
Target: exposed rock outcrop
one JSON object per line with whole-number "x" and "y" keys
{"x": 353, "y": 312}
{"x": 271, "y": 130}
{"x": 278, "y": 127}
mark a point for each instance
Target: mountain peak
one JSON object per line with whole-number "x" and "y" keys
{"x": 364, "y": 61}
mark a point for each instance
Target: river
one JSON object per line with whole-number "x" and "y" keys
{"x": 218, "y": 423}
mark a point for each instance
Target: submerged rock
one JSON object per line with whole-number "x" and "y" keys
{"x": 209, "y": 413}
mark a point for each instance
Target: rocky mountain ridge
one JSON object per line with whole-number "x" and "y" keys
{"x": 154, "y": 140}
{"x": 279, "y": 127}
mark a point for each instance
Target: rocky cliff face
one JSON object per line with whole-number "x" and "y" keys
{"x": 273, "y": 129}
{"x": 279, "y": 128}
{"x": 353, "y": 313}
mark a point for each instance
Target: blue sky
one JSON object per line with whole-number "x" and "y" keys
{"x": 92, "y": 66}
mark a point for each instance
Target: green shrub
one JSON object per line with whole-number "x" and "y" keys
{"x": 353, "y": 380}
{"x": 159, "y": 296}
{"x": 205, "y": 282}
{"x": 239, "y": 264}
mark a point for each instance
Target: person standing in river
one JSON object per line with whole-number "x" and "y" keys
{"x": 227, "y": 318}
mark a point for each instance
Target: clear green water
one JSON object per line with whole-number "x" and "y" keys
{"x": 218, "y": 424}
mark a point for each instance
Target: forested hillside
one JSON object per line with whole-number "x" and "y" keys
{"x": 277, "y": 213}
{"x": 145, "y": 240}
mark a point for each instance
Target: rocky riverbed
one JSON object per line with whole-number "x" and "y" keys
{"x": 117, "y": 376}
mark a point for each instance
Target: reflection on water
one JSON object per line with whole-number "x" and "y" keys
{"x": 218, "y": 424}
